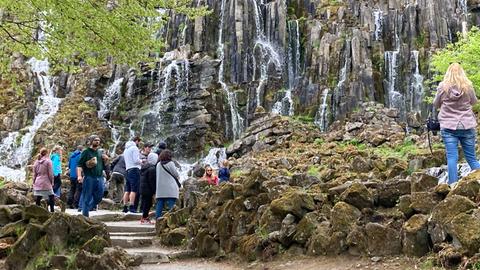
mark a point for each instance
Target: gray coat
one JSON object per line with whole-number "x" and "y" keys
{"x": 166, "y": 184}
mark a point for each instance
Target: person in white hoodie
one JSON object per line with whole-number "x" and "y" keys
{"x": 133, "y": 163}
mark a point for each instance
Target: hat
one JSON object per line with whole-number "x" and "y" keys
{"x": 162, "y": 145}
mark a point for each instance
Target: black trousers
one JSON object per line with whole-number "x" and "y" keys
{"x": 146, "y": 204}
{"x": 71, "y": 200}
{"x": 78, "y": 192}
{"x": 51, "y": 201}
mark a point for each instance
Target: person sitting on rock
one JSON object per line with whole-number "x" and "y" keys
{"x": 43, "y": 179}
{"x": 209, "y": 176}
{"x": 224, "y": 172}
{"x": 148, "y": 185}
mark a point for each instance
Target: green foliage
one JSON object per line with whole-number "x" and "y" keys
{"x": 319, "y": 141}
{"x": 236, "y": 173}
{"x": 304, "y": 118}
{"x": 71, "y": 261}
{"x": 2, "y": 183}
{"x": 401, "y": 151}
{"x": 353, "y": 143}
{"x": 313, "y": 171}
{"x": 465, "y": 51}
{"x": 262, "y": 233}
{"x": 88, "y": 31}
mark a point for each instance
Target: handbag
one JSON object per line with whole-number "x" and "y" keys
{"x": 176, "y": 180}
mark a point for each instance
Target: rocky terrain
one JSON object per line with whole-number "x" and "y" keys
{"x": 360, "y": 190}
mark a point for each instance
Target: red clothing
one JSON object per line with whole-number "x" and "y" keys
{"x": 212, "y": 179}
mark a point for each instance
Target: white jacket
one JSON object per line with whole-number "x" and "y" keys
{"x": 132, "y": 156}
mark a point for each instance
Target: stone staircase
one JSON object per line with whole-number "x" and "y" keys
{"x": 139, "y": 239}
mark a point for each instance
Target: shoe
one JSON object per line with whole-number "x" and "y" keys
{"x": 79, "y": 210}
{"x": 132, "y": 209}
{"x": 125, "y": 209}
{"x": 146, "y": 221}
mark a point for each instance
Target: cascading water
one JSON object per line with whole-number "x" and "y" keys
{"x": 237, "y": 120}
{"x": 339, "y": 88}
{"x": 442, "y": 173}
{"x": 263, "y": 48}
{"x": 109, "y": 103}
{"x": 395, "y": 99}
{"x": 321, "y": 118}
{"x": 215, "y": 157}
{"x": 378, "y": 20}
{"x": 285, "y": 105}
{"x": 416, "y": 87}
{"x": 16, "y": 148}
{"x": 463, "y": 7}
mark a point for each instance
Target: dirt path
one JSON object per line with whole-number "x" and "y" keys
{"x": 342, "y": 262}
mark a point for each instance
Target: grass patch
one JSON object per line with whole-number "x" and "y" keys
{"x": 313, "y": 171}
{"x": 236, "y": 173}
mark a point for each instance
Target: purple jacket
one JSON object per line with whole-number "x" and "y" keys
{"x": 43, "y": 174}
{"x": 455, "y": 107}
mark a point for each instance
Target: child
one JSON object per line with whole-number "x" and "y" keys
{"x": 224, "y": 172}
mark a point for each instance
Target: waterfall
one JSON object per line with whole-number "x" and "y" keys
{"x": 321, "y": 118}
{"x": 395, "y": 98}
{"x": 463, "y": 6}
{"x": 442, "y": 172}
{"x": 416, "y": 87}
{"x": 109, "y": 103}
{"x": 285, "y": 105}
{"x": 215, "y": 157}
{"x": 378, "y": 20}
{"x": 267, "y": 54}
{"x": 16, "y": 148}
{"x": 337, "y": 93}
{"x": 237, "y": 120}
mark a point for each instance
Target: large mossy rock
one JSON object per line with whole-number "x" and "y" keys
{"x": 37, "y": 213}
{"x": 465, "y": 231}
{"x": 306, "y": 227}
{"x": 415, "y": 237}
{"x": 344, "y": 217}
{"x": 357, "y": 195}
{"x": 10, "y": 213}
{"x": 424, "y": 202}
{"x": 390, "y": 191}
{"x": 468, "y": 186}
{"x": 325, "y": 241}
{"x": 297, "y": 203}
{"x": 422, "y": 182}
{"x": 205, "y": 244}
{"x": 383, "y": 240}
{"x": 111, "y": 259}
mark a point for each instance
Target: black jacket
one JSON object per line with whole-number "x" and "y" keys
{"x": 148, "y": 180}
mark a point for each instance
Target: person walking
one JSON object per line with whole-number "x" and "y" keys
{"x": 455, "y": 98}
{"x": 90, "y": 172}
{"x": 167, "y": 183}
{"x": 209, "y": 176}
{"x": 43, "y": 179}
{"x": 132, "y": 164}
{"x": 224, "y": 172}
{"x": 117, "y": 179}
{"x": 148, "y": 185}
{"x": 72, "y": 202}
{"x": 56, "y": 158}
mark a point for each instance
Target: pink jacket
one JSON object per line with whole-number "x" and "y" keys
{"x": 455, "y": 107}
{"x": 43, "y": 174}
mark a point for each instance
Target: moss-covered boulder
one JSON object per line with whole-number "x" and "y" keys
{"x": 424, "y": 202}
{"x": 37, "y": 213}
{"x": 465, "y": 231}
{"x": 357, "y": 195}
{"x": 111, "y": 259}
{"x": 249, "y": 247}
{"x": 10, "y": 213}
{"x": 270, "y": 221}
{"x": 205, "y": 244}
{"x": 415, "y": 236}
{"x": 357, "y": 241}
{"x": 344, "y": 217}
{"x": 96, "y": 245}
{"x": 297, "y": 203}
{"x": 325, "y": 241}
{"x": 383, "y": 240}
{"x": 390, "y": 191}
{"x": 361, "y": 165}
{"x": 468, "y": 186}
{"x": 423, "y": 182}
{"x": 404, "y": 205}
{"x": 306, "y": 227}
{"x": 175, "y": 237}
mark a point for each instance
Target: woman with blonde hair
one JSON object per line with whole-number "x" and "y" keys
{"x": 43, "y": 179}
{"x": 455, "y": 98}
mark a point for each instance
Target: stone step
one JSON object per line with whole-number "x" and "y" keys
{"x": 132, "y": 233}
{"x": 129, "y": 227}
{"x": 155, "y": 255}
{"x": 131, "y": 241}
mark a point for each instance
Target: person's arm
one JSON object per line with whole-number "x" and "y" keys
{"x": 473, "y": 97}
{"x": 171, "y": 168}
{"x": 50, "y": 172}
{"x": 437, "y": 102}
{"x": 81, "y": 161}
{"x": 34, "y": 173}
{"x": 80, "y": 175}
{"x": 136, "y": 158}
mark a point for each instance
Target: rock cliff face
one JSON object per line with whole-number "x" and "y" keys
{"x": 314, "y": 58}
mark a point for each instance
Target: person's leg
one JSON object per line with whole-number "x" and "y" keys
{"x": 171, "y": 203}
{"x": 159, "y": 207}
{"x": 146, "y": 206}
{"x": 468, "y": 146}
{"x": 51, "y": 202}
{"x": 120, "y": 186}
{"x": 87, "y": 194}
{"x": 78, "y": 193}
{"x": 57, "y": 185}
{"x": 135, "y": 189}
{"x": 38, "y": 200}
{"x": 451, "y": 148}
{"x": 71, "y": 193}
{"x": 98, "y": 191}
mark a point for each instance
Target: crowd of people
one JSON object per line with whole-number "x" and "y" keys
{"x": 133, "y": 178}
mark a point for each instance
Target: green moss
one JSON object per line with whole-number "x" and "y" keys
{"x": 313, "y": 171}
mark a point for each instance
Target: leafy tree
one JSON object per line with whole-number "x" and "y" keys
{"x": 69, "y": 31}
{"x": 467, "y": 52}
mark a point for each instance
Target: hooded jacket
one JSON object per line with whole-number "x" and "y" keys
{"x": 43, "y": 174}
{"x": 132, "y": 156}
{"x": 57, "y": 163}
{"x": 455, "y": 107}
{"x": 148, "y": 174}
{"x": 73, "y": 162}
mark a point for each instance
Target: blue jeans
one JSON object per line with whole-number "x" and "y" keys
{"x": 92, "y": 193}
{"x": 160, "y": 204}
{"x": 467, "y": 138}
